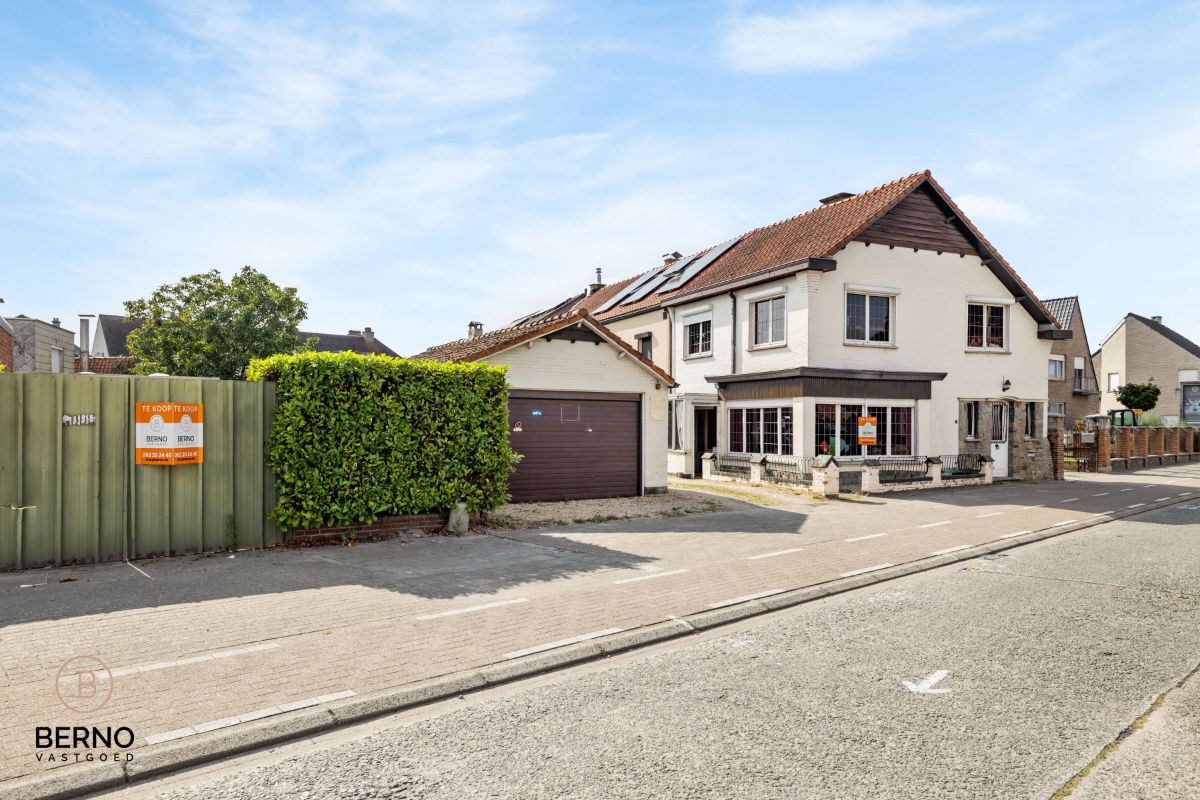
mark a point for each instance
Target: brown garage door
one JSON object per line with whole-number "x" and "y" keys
{"x": 574, "y": 445}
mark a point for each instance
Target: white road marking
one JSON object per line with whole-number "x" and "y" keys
{"x": 1069, "y": 500}
{"x": 1160, "y": 499}
{"x": 454, "y": 612}
{"x": 1101, "y": 494}
{"x": 1130, "y": 489}
{"x": 993, "y": 514}
{"x": 745, "y": 598}
{"x": 652, "y": 576}
{"x": 226, "y": 722}
{"x": 926, "y": 685}
{"x": 1064, "y": 522}
{"x": 538, "y": 648}
{"x": 1184, "y": 494}
{"x": 863, "y": 538}
{"x": 776, "y": 553}
{"x": 1136, "y": 505}
{"x": 139, "y": 569}
{"x": 937, "y": 524}
{"x": 951, "y": 549}
{"x": 864, "y": 569}
{"x": 1105, "y": 513}
{"x": 1014, "y": 534}
{"x": 183, "y": 662}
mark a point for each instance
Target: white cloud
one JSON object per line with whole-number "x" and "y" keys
{"x": 838, "y": 37}
{"x": 988, "y": 207}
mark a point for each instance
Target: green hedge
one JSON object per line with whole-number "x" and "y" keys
{"x": 357, "y": 437}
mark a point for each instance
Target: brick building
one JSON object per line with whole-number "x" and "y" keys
{"x": 1144, "y": 350}
{"x": 1074, "y": 392}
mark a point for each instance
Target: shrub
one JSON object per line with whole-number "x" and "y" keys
{"x": 357, "y": 437}
{"x": 1149, "y": 420}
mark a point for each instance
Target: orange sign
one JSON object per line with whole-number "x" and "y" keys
{"x": 168, "y": 433}
{"x": 867, "y": 430}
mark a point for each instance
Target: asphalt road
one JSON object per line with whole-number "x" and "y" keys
{"x": 1003, "y": 677}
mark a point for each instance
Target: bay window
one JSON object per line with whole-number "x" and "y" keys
{"x": 835, "y": 430}
{"x": 761, "y": 430}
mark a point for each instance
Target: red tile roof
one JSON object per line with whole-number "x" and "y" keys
{"x": 497, "y": 341}
{"x": 108, "y": 365}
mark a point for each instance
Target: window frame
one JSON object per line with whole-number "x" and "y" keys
{"x": 971, "y": 410}
{"x": 1111, "y": 376}
{"x": 867, "y": 293}
{"x": 988, "y": 305}
{"x": 57, "y": 351}
{"x": 769, "y": 300}
{"x": 1062, "y": 368}
{"x": 781, "y": 414}
{"x": 1050, "y": 410}
{"x": 645, "y": 345}
{"x": 1031, "y": 415}
{"x": 891, "y": 425}
{"x": 687, "y": 338}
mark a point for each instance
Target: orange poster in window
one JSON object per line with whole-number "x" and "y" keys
{"x": 866, "y": 430}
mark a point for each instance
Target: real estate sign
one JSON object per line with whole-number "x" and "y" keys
{"x": 168, "y": 433}
{"x": 866, "y": 430}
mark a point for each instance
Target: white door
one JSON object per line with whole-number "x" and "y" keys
{"x": 1000, "y": 440}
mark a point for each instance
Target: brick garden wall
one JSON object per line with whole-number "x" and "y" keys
{"x": 382, "y": 528}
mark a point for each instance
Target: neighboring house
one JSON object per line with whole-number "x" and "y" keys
{"x": 586, "y": 411}
{"x": 888, "y": 304}
{"x": 1143, "y": 350}
{"x": 1074, "y": 392}
{"x": 106, "y": 365}
{"x": 6, "y": 345}
{"x": 41, "y": 346}
{"x": 113, "y": 329}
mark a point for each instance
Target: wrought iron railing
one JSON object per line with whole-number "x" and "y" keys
{"x": 788, "y": 469}
{"x": 732, "y": 465}
{"x": 900, "y": 469}
{"x": 961, "y": 465}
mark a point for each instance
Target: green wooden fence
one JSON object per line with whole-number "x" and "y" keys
{"x": 72, "y": 493}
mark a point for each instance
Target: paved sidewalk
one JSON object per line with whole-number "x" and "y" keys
{"x": 197, "y": 644}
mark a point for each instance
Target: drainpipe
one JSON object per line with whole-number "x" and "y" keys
{"x": 733, "y": 333}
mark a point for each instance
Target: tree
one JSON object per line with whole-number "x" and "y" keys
{"x": 205, "y": 327}
{"x": 1139, "y": 396}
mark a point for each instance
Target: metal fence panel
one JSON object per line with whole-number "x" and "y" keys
{"x": 71, "y": 493}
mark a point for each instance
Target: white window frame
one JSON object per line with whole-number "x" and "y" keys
{"x": 56, "y": 351}
{"x": 1031, "y": 415}
{"x": 868, "y": 292}
{"x": 865, "y": 404}
{"x": 687, "y": 337}
{"x": 753, "y": 316}
{"x": 1111, "y": 381}
{"x": 1061, "y": 361}
{"x": 971, "y": 409}
{"x": 1050, "y": 412}
{"x": 1004, "y": 305}
{"x": 747, "y": 405}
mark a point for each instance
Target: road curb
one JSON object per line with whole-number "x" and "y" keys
{"x": 169, "y": 757}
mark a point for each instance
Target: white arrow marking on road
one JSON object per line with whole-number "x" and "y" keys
{"x": 926, "y": 686}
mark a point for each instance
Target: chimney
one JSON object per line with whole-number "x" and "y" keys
{"x": 85, "y": 344}
{"x": 833, "y": 198}
{"x": 56, "y": 322}
{"x": 1157, "y": 319}
{"x": 671, "y": 258}
{"x": 599, "y": 284}
{"x": 474, "y": 329}
{"x": 368, "y": 335}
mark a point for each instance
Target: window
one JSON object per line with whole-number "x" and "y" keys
{"x": 1114, "y": 381}
{"x": 1057, "y": 369}
{"x": 698, "y": 336}
{"x": 971, "y": 410}
{"x": 760, "y": 430}
{"x": 868, "y": 318}
{"x": 645, "y": 345}
{"x": 769, "y": 321}
{"x": 985, "y": 326}
{"x": 1030, "y": 420}
{"x": 836, "y": 430}
{"x": 1057, "y": 409}
{"x": 56, "y": 356}
{"x": 1189, "y": 375}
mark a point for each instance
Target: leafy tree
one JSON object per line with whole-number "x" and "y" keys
{"x": 205, "y": 327}
{"x": 1140, "y": 396}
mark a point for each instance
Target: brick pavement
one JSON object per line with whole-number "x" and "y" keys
{"x": 206, "y": 639}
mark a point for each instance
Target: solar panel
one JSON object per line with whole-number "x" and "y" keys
{"x": 662, "y": 275}
{"x": 621, "y": 295}
{"x": 693, "y": 269}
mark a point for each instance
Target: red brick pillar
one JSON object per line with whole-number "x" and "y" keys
{"x": 1185, "y": 440}
{"x": 1173, "y": 440}
{"x": 1103, "y": 450}
{"x": 1143, "y": 441}
{"x": 1159, "y": 441}
{"x": 1056, "y": 448}
{"x": 1076, "y": 439}
{"x": 1124, "y": 442}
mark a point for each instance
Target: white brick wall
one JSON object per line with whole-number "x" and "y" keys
{"x": 559, "y": 365}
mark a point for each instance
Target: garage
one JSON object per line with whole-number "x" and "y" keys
{"x": 574, "y": 445}
{"x": 587, "y": 412}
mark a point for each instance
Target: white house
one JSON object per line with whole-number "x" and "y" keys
{"x": 889, "y": 304}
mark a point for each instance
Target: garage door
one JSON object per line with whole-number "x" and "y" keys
{"x": 575, "y": 446}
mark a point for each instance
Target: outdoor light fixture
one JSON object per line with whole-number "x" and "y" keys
{"x": 1006, "y": 385}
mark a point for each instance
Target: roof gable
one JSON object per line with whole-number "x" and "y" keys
{"x": 917, "y": 221}
{"x": 1062, "y": 309}
{"x": 1173, "y": 337}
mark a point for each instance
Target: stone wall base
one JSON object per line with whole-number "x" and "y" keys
{"x": 382, "y": 528}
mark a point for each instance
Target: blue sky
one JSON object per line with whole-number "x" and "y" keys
{"x": 414, "y": 165}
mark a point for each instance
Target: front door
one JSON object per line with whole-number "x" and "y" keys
{"x": 1000, "y": 440}
{"x": 706, "y": 437}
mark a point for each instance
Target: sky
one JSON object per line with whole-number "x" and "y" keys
{"x": 413, "y": 165}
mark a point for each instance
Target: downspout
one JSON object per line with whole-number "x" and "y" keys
{"x": 733, "y": 333}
